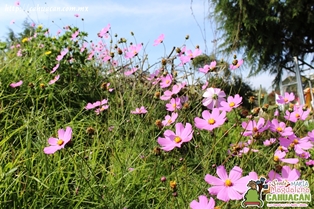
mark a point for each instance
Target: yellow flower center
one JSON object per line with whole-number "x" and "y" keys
{"x": 60, "y": 142}
{"x": 231, "y": 104}
{"x": 297, "y": 115}
{"x": 174, "y": 105}
{"x": 177, "y": 139}
{"x": 279, "y": 129}
{"x": 255, "y": 129}
{"x": 24, "y": 40}
{"x": 169, "y": 122}
{"x": 167, "y": 81}
{"x": 286, "y": 100}
{"x": 228, "y": 183}
{"x": 296, "y": 141}
{"x": 211, "y": 121}
{"x": 173, "y": 184}
{"x": 48, "y": 52}
{"x": 276, "y": 158}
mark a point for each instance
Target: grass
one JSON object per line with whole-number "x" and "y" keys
{"x": 113, "y": 159}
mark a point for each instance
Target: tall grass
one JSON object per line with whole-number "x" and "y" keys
{"x": 113, "y": 159}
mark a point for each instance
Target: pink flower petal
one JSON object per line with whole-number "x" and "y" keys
{"x": 222, "y": 173}
{"x": 52, "y": 141}
{"x": 51, "y": 149}
{"x": 212, "y": 180}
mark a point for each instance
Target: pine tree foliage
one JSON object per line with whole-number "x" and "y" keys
{"x": 270, "y": 32}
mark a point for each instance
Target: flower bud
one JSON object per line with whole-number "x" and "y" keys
{"x": 163, "y": 179}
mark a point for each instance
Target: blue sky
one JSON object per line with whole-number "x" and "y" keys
{"x": 146, "y": 18}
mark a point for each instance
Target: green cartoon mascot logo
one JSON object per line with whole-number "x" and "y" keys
{"x": 253, "y": 195}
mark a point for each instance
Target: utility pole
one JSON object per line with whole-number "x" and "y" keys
{"x": 299, "y": 81}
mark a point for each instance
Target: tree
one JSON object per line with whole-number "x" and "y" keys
{"x": 28, "y": 31}
{"x": 270, "y": 32}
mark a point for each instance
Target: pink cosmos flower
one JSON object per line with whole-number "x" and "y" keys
{"x": 182, "y": 51}
{"x": 203, "y": 203}
{"x": 154, "y": 77}
{"x": 133, "y": 50}
{"x": 114, "y": 63}
{"x": 76, "y": 15}
{"x": 63, "y": 52}
{"x": 299, "y": 145}
{"x": 91, "y": 55}
{"x": 242, "y": 148}
{"x": 169, "y": 119}
{"x": 172, "y": 140}
{"x": 104, "y": 32}
{"x": 304, "y": 155}
{"x": 189, "y": 55}
{"x": 279, "y": 156}
{"x": 54, "y": 80}
{"x": 310, "y": 163}
{"x": 99, "y": 110}
{"x": 57, "y": 144}
{"x": 252, "y": 128}
{"x": 96, "y": 104}
{"x": 286, "y": 174}
{"x": 232, "y": 102}
{"x": 17, "y": 3}
{"x": 12, "y": 22}
{"x": 159, "y": 40}
{"x": 213, "y": 97}
{"x": 130, "y": 72}
{"x": 193, "y": 54}
{"x": 205, "y": 85}
{"x": 210, "y": 121}
{"x": 269, "y": 142}
{"x": 83, "y": 47}
{"x": 280, "y": 128}
{"x": 174, "y": 105}
{"x": 239, "y": 63}
{"x": 166, "y": 81}
{"x": 168, "y": 94}
{"x": 19, "y": 53}
{"x": 17, "y": 84}
{"x": 297, "y": 114}
{"x": 286, "y": 99}
{"x": 276, "y": 113}
{"x": 311, "y": 135}
{"x": 54, "y": 68}
{"x": 141, "y": 110}
{"x": 75, "y": 34}
{"x": 184, "y": 99}
{"x": 227, "y": 187}
{"x": 207, "y": 68}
